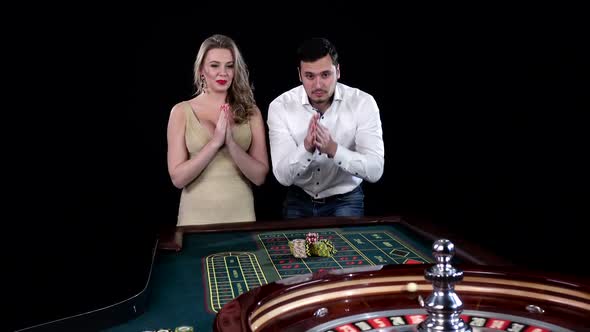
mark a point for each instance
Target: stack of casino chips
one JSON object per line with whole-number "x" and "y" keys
{"x": 312, "y": 238}
{"x": 323, "y": 248}
{"x": 298, "y": 248}
{"x": 311, "y": 246}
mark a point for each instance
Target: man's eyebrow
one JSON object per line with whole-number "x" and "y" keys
{"x": 314, "y": 73}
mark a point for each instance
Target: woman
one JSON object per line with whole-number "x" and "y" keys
{"x": 216, "y": 140}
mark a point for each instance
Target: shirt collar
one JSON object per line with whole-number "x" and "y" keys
{"x": 337, "y": 94}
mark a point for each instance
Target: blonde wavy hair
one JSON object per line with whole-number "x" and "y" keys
{"x": 240, "y": 95}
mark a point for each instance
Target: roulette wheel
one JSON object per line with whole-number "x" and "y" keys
{"x": 440, "y": 297}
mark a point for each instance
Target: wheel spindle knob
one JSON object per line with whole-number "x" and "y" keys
{"x": 443, "y": 306}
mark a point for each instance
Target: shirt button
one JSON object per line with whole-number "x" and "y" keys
{"x": 339, "y": 163}
{"x": 308, "y": 159}
{"x": 319, "y": 153}
{"x": 318, "y": 169}
{"x": 317, "y": 183}
{"x": 297, "y": 174}
{"x": 356, "y": 173}
{"x": 322, "y": 117}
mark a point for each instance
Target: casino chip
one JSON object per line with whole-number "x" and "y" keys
{"x": 184, "y": 329}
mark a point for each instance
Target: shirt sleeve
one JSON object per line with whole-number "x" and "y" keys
{"x": 368, "y": 160}
{"x": 289, "y": 158}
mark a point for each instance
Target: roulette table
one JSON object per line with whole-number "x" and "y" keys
{"x": 217, "y": 276}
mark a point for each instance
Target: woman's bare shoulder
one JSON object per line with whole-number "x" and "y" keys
{"x": 255, "y": 111}
{"x": 181, "y": 106}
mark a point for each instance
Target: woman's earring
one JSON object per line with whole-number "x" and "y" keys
{"x": 203, "y": 84}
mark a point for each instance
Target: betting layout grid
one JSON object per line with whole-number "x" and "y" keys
{"x": 353, "y": 249}
{"x": 230, "y": 274}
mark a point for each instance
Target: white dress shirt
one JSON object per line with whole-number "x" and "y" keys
{"x": 354, "y": 124}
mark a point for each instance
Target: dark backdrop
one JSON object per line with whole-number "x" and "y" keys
{"x": 484, "y": 115}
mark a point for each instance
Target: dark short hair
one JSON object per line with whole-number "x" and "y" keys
{"x": 316, "y": 48}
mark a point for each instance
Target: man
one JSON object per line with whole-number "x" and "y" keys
{"x": 325, "y": 138}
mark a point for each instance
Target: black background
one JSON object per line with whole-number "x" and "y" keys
{"x": 484, "y": 113}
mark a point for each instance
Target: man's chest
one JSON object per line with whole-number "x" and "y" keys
{"x": 341, "y": 125}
